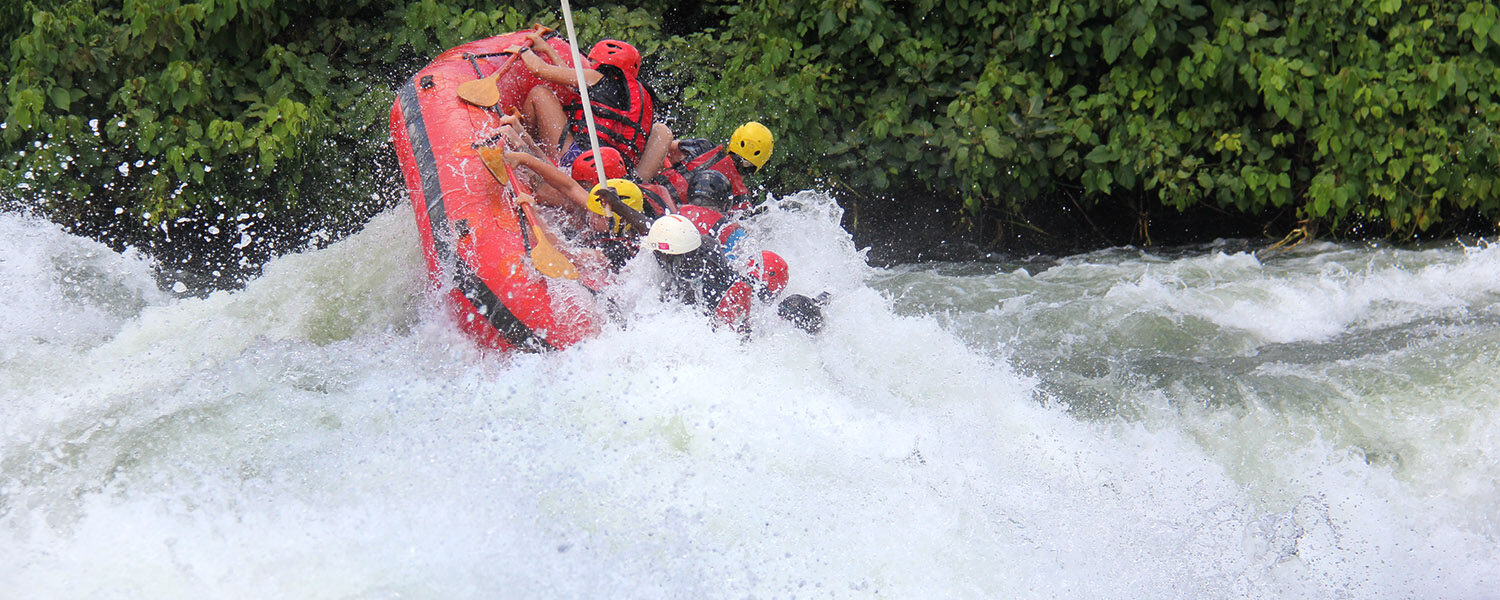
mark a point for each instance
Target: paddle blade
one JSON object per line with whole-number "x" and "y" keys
{"x": 494, "y": 160}
{"x": 486, "y": 92}
{"x": 481, "y": 92}
{"x": 547, "y": 259}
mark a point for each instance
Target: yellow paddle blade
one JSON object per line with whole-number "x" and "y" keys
{"x": 548, "y": 260}
{"x": 494, "y": 160}
{"x": 546, "y": 257}
{"x": 486, "y": 92}
{"x": 481, "y": 92}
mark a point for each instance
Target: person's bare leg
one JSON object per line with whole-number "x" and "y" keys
{"x": 657, "y": 144}
{"x": 544, "y": 112}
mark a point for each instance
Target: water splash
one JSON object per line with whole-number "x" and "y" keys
{"x": 327, "y": 432}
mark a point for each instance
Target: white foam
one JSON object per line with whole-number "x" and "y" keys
{"x": 327, "y": 432}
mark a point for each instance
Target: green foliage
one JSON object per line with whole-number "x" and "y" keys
{"x": 1344, "y": 111}
{"x": 1347, "y": 112}
{"x": 166, "y": 107}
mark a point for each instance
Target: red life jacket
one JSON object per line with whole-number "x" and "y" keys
{"x": 734, "y": 306}
{"x": 713, "y": 160}
{"x": 656, "y": 199}
{"x": 713, "y": 224}
{"x": 623, "y": 128}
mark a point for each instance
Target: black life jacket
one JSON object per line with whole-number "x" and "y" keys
{"x": 623, "y": 128}
{"x": 616, "y": 248}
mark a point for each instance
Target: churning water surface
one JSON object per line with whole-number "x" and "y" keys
{"x": 1192, "y": 423}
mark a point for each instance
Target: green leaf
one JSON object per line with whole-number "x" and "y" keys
{"x": 997, "y": 145}
{"x": 1482, "y": 25}
{"x": 1320, "y": 206}
{"x": 828, "y": 23}
{"x": 1102, "y": 154}
{"x": 60, "y": 98}
{"x": 1114, "y": 44}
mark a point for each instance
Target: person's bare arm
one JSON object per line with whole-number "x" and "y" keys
{"x": 516, "y": 136}
{"x": 553, "y": 176}
{"x": 540, "y": 46}
{"x": 558, "y": 74}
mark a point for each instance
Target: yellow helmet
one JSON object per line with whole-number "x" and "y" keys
{"x": 629, "y": 192}
{"x": 753, "y": 142}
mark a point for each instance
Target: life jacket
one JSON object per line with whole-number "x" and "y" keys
{"x": 623, "y": 128}
{"x": 733, "y": 308}
{"x": 716, "y": 159}
{"x": 711, "y": 284}
{"x": 656, "y": 200}
{"x": 715, "y": 225}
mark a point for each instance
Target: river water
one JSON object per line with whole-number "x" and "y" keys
{"x": 1180, "y": 423}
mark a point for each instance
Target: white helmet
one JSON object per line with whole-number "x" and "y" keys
{"x": 673, "y": 234}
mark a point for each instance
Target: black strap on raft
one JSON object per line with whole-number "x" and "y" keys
{"x": 471, "y": 57}
{"x": 484, "y": 299}
{"x": 474, "y": 63}
{"x": 528, "y": 237}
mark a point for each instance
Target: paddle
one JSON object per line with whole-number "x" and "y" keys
{"x": 546, "y": 257}
{"x": 549, "y": 261}
{"x": 485, "y": 92}
{"x": 632, "y": 216}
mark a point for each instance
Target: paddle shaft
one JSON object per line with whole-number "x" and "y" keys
{"x": 483, "y": 91}
{"x": 583, "y": 93}
{"x": 545, "y": 255}
{"x": 632, "y": 216}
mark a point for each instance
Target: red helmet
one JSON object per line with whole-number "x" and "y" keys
{"x": 584, "y": 171}
{"x": 769, "y": 273}
{"x": 619, "y": 54}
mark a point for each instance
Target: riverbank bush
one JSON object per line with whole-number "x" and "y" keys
{"x": 232, "y": 128}
{"x": 1359, "y": 117}
{"x": 1351, "y": 114}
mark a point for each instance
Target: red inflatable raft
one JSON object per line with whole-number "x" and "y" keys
{"x": 475, "y": 241}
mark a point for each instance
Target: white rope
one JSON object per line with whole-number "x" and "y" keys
{"x": 583, "y": 92}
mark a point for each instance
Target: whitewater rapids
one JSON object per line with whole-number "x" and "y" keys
{"x": 1193, "y": 423}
